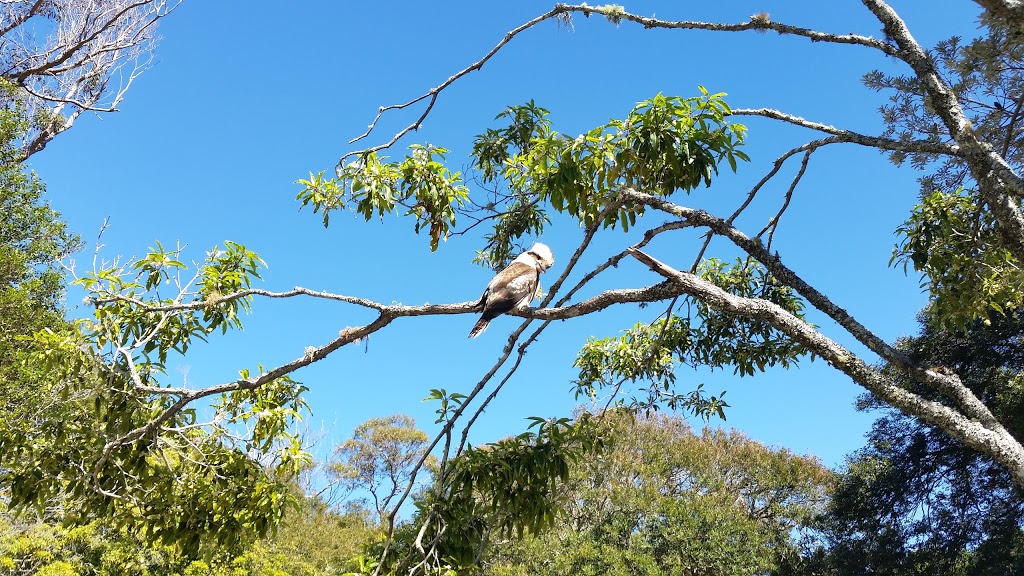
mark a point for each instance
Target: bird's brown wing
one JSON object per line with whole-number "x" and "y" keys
{"x": 511, "y": 288}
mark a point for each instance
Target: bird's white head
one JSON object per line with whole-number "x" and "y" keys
{"x": 543, "y": 255}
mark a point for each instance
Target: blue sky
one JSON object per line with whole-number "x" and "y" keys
{"x": 245, "y": 98}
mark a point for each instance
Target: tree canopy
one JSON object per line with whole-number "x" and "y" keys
{"x": 661, "y": 499}
{"x": 211, "y": 466}
{"x": 915, "y": 499}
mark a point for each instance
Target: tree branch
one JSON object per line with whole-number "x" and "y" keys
{"x": 346, "y": 336}
{"x": 70, "y": 68}
{"x": 1010, "y": 11}
{"x": 999, "y": 185}
{"x": 16, "y": 19}
{"x": 854, "y": 137}
{"x": 433, "y": 93}
{"x": 949, "y": 385}
{"x": 997, "y": 442}
{"x": 758, "y": 22}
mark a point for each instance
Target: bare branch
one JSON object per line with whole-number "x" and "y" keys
{"x": 224, "y": 299}
{"x": 757, "y": 23}
{"x": 773, "y": 225}
{"x": 435, "y": 91}
{"x": 950, "y": 386}
{"x": 72, "y": 56}
{"x": 853, "y": 137}
{"x": 614, "y": 14}
{"x": 995, "y": 441}
{"x": 777, "y": 165}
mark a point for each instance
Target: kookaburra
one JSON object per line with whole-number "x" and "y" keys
{"x": 514, "y": 287}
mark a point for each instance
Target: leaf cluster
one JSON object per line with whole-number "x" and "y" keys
{"x": 501, "y": 489}
{"x": 695, "y": 335}
{"x": 952, "y": 241}
{"x": 420, "y": 183}
{"x": 182, "y": 483}
{"x": 950, "y": 236}
{"x": 311, "y": 541}
{"x": 665, "y": 144}
{"x": 92, "y": 447}
{"x": 124, "y": 295}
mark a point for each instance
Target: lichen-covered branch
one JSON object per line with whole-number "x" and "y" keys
{"x": 949, "y": 385}
{"x": 843, "y": 135}
{"x": 996, "y": 442}
{"x": 999, "y": 185}
{"x": 1010, "y": 11}
{"x": 616, "y": 14}
{"x": 758, "y": 22}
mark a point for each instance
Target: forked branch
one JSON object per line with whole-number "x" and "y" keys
{"x": 995, "y": 441}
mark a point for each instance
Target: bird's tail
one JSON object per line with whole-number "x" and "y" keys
{"x": 479, "y": 327}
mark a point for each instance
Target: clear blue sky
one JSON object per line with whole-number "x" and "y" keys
{"x": 245, "y": 98}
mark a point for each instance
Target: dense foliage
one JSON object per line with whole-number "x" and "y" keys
{"x": 33, "y": 239}
{"x": 916, "y": 501}
{"x": 77, "y": 442}
{"x": 661, "y": 499}
{"x": 311, "y": 541}
{"x": 951, "y": 237}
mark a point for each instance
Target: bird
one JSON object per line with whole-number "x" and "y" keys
{"x": 514, "y": 287}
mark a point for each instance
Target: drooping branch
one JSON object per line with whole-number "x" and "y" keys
{"x": 513, "y": 344}
{"x": 996, "y": 442}
{"x": 446, "y": 431}
{"x": 445, "y": 434}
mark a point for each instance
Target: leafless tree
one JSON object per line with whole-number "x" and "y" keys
{"x": 66, "y": 57}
